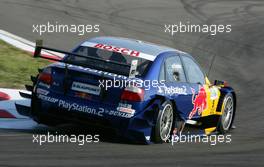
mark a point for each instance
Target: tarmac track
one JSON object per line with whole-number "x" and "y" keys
{"x": 238, "y": 59}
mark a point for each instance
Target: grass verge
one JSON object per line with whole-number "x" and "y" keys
{"x": 16, "y": 66}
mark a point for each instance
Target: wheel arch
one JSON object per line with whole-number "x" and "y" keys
{"x": 224, "y": 91}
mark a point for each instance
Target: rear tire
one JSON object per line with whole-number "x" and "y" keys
{"x": 228, "y": 112}
{"x": 164, "y": 122}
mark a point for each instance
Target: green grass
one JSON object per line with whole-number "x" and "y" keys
{"x": 16, "y": 66}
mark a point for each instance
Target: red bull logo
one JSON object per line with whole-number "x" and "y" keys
{"x": 199, "y": 102}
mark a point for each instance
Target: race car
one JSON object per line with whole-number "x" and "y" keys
{"x": 143, "y": 91}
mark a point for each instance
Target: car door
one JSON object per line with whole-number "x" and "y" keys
{"x": 175, "y": 87}
{"x": 200, "y": 99}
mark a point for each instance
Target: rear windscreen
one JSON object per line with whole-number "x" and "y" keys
{"x": 110, "y": 57}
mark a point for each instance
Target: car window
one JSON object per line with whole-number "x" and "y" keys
{"x": 193, "y": 71}
{"x": 142, "y": 67}
{"x": 174, "y": 70}
{"x": 162, "y": 73}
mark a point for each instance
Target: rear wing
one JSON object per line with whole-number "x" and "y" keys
{"x": 130, "y": 70}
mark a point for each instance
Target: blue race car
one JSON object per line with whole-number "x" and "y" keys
{"x": 142, "y": 90}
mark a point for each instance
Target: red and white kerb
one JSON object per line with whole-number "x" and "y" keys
{"x": 121, "y": 50}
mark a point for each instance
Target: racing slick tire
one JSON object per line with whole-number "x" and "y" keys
{"x": 164, "y": 122}
{"x": 228, "y": 112}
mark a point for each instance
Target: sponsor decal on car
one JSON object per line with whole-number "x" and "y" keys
{"x": 171, "y": 90}
{"x": 133, "y": 69}
{"x": 116, "y": 113}
{"x": 213, "y": 93}
{"x": 87, "y": 88}
{"x": 124, "y": 51}
{"x": 47, "y": 98}
{"x": 69, "y": 106}
{"x": 42, "y": 91}
{"x": 199, "y": 101}
{"x": 81, "y": 108}
{"x": 127, "y": 108}
{"x": 176, "y": 66}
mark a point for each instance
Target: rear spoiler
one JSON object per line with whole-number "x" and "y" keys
{"x": 39, "y": 47}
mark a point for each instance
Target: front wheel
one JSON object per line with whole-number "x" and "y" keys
{"x": 226, "y": 119}
{"x": 164, "y": 122}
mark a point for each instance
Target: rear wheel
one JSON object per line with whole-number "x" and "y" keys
{"x": 226, "y": 119}
{"x": 164, "y": 122}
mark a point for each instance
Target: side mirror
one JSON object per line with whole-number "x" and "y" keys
{"x": 220, "y": 83}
